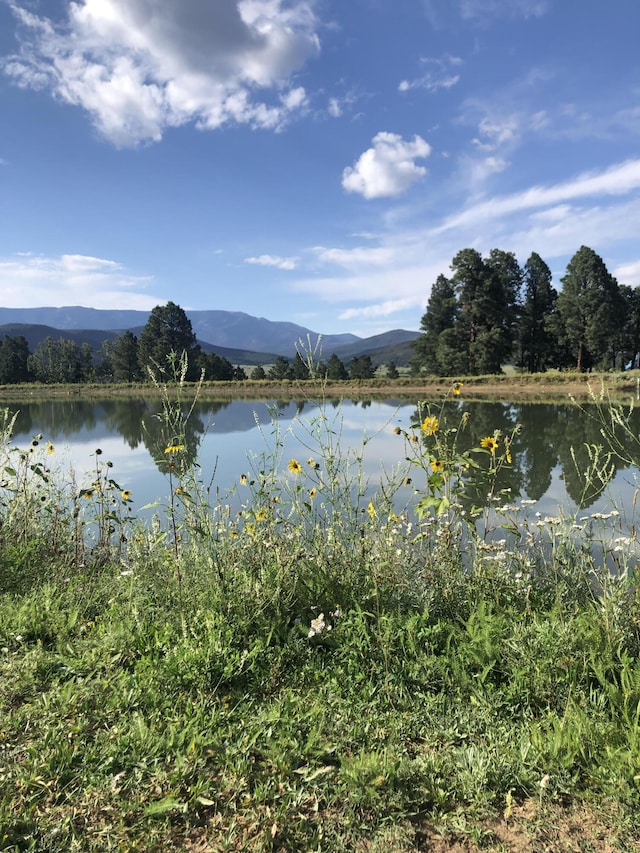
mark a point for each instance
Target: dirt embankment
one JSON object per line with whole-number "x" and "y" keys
{"x": 547, "y": 387}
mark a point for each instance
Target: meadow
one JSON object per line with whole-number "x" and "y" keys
{"x": 319, "y": 672}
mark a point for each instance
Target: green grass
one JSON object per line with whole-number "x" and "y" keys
{"x": 317, "y": 674}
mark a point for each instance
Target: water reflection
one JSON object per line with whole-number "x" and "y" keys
{"x": 548, "y": 453}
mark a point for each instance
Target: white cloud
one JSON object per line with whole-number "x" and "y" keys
{"x": 382, "y": 309}
{"x": 484, "y": 9}
{"x": 393, "y": 276}
{"x": 273, "y": 261}
{"x": 617, "y": 180}
{"x": 495, "y": 133}
{"x": 334, "y": 107}
{"x": 439, "y": 75}
{"x": 628, "y": 273}
{"x": 356, "y": 257}
{"x": 141, "y": 66}
{"x": 388, "y": 168}
{"x": 34, "y": 280}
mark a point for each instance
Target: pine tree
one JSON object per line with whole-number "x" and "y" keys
{"x": 487, "y": 294}
{"x": 14, "y": 360}
{"x": 440, "y": 317}
{"x": 124, "y": 358}
{"x": 336, "y": 371}
{"x": 537, "y": 338}
{"x": 591, "y": 309}
{"x": 167, "y": 333}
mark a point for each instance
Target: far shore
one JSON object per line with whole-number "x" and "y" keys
{"x": 541, "y": 387}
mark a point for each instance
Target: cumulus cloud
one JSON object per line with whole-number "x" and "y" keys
{"x": 33, "y": 280}
{"x": 388, "y": 168}
{"x": 141, "y": 66}
{"x": 273, "y": 261}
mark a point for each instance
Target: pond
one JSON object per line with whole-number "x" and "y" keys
{"x": 234, "y": 437}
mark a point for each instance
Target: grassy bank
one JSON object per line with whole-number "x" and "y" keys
{"x": 548, "y": 387}
{"x": 318, "y": 673}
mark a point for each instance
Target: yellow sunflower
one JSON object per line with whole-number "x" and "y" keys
{"x": 489, "y": 443}
{"x": 174, "y": 448}
{"x": 294, "y": 466}
{"x": 430, "y": 425}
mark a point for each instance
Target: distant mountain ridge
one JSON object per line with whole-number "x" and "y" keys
{"x": 239, "y": 337}
{"x": 233, "y": 329}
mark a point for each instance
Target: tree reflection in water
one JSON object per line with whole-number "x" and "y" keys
{"x": 550, "y": 444}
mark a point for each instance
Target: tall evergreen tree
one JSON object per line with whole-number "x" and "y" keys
{"x": 630, "y": 332}
{"x": 14, "y": 360}
{"x": 124, "y": 358}
{"x": 431, "y": 350}
{"x": 168, "y": 330}
{"x": 591, "y": 309}
{"x": 537, "y": 338}
{"x": 486, "y": 297}
{"x": 336, "y": 371}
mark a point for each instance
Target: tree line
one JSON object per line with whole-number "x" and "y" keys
{"x": 130, "y": 358}
{"x": 491, "y": 311}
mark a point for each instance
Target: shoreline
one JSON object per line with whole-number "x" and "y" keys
{"x": 551, "y": 387}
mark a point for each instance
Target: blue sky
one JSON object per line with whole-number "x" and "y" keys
{"x": 319, "y": 161}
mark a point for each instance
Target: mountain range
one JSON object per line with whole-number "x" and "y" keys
{"x": 239, "y": 337}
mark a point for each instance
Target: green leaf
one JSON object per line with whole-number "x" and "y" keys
{"x": 169, "y": 804}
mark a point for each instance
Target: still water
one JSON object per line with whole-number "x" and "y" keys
{"x": 235, "y": 437}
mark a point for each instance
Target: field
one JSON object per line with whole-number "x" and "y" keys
{"x": 317, "y": 673}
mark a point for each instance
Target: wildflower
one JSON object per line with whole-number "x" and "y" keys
{"x": 414, "y": 438}
{"x": 250, "y": 528}
{"x": 489, "y": 443}
{"x": 507, "y": 456}
{"x": 126, "y": 495}
{"x": 430, "y": 425}
{"x": 371, "y": 510}
{"x": 174, "y": 448}
{"x": 437, "y": 465}
{"x": 406, "y": 481}
{"x": 180, "y": 491}
{"x": 50, "y": 448}
{"x": 243, "y": 479}
{"x": 313, "y": 492}
{"x": 86, "y": 493}
{"x": 397, "y": 431}
{"x": 317, "y": 626}
{"x": 311, "y": 462}
{"x": 294, "y": 466}
{"x": 98, "y": 451}
{"x": 261, "y": 515}
{"x": 457, "y": 388}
